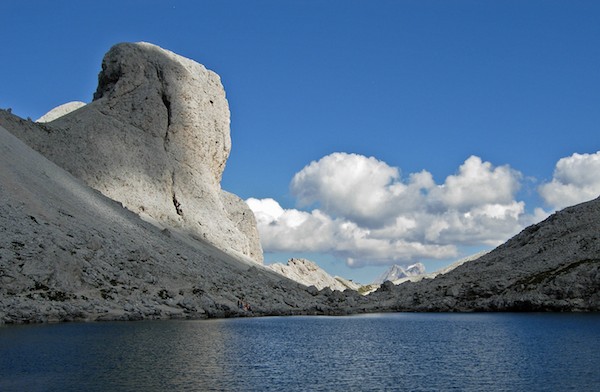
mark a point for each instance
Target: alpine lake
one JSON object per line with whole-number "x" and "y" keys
{"x": 377, "y": 352}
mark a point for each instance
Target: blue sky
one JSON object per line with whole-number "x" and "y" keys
{"x": 483, "y": 98}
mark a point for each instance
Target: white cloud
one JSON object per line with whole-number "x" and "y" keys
{"x": 367, "y": 214}
{"x": 348, "y": 185}
{"x": 299, "y": 231}
{"x": 576, "y": 179}
{"x": 478, "y": 183}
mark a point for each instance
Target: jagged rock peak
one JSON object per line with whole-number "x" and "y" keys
{"x": 156, "y": 138}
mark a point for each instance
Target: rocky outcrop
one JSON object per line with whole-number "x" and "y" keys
{"x": 349, "y": 284}
{"x": 155, "y": 138}
{"x": 551, "y": 266}
{"x": 60, "y": 111}
{"x": 243, "y": 219}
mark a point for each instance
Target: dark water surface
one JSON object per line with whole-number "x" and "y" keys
{"x": 412, "y": 352}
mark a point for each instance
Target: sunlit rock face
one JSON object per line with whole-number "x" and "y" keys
{"x": 156, "y": 138}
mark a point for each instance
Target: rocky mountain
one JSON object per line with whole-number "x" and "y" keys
{"x": 155, "y": 138}
{"x": 445, "y": 270}
{"x": 137, "y": 225}
{"x": 308, "y": 273}
{"x": 418, "y": 274}
{"x": 396, "y": 272}
{"x": 551, "y": 266}
{"x": 67, "y": 253}
{"x": 119, "y": 215}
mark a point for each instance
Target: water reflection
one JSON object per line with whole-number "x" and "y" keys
{"x": 389, "y": 352}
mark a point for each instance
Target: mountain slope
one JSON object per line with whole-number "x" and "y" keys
{"x": 69, "y": 253}
{"x": 307, "y": 273}
{"x": 551, "y": 266}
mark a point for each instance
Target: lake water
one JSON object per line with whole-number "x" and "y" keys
{"x": 385, "y": 352}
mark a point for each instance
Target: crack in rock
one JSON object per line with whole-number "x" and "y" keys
{"x": 176, "y": 202}
{"x": 167, "y": 104}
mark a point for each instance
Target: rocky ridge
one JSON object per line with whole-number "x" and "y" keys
{"x": 60, "y": 111}
{"x": 182, "y": 247}
{"x": 445, "y": 270}
{"x": 417, "y": 275}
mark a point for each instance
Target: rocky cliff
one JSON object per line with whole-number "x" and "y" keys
{"x": 155, "y": 138}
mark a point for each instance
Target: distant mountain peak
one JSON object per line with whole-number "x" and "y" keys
{"x": 396, "y": 272}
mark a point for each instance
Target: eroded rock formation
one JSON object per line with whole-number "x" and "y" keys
{"x": 156, "y": 138}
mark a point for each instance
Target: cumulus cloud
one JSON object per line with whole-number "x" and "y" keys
{"x": 348, "y": 185}
{"x": 477, "y": 184}
{"x": 576, "y": 179}
{"x": 365, "y": 212}
{"x": 291, "y": 230}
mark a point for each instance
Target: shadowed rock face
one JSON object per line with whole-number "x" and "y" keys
{"x": 156, "y": 138}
